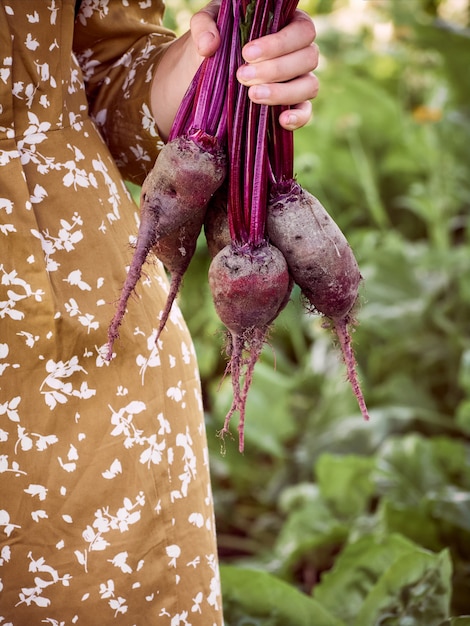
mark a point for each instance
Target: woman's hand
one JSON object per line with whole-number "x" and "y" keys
{"x": 278, "y": 68}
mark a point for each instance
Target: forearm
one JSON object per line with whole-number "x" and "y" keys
{"x": 171, "y": 80}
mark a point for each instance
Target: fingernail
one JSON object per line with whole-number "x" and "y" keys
{"x": 246, "y": 72}
{"x": 292, "y": 120}
{"x": 261, "y": 92}
{"x": 205, "y": 41}
{"x": 251, "y": 52}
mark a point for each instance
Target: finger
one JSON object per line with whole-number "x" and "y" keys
{"x": 296, "y": 117}
{"x": 299, "y": 89}
{"x": 299, "y": 33}
{"x": 204, "y": 30}
{"x": 282, "y": 69}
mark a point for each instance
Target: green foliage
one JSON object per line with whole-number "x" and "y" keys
{"x": 326, "y": 519}
{"x": 388, "y": 581}
{"x": 255, "y": 598}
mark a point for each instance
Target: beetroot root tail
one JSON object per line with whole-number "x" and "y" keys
{"x": 133, "y": 276}
{"x": 234, "y": 366}
{"x": 175, "y": 284}
{"x": 244, "y": 353}
{"x": 256, "y": 345}
{"x": 345, "y": 342}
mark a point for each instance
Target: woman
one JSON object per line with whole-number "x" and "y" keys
{"x": 105, "y": 502}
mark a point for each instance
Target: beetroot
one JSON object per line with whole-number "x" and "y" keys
{"x": 172, "y": 214}
{"x": 250, "y": 285}
{"x": 321, "y": 263}
{"x": 249, "y": 278}
{"x": 318, "y": 254}
{"x": 216, "y": 227}
{"x": 187, "y": 172}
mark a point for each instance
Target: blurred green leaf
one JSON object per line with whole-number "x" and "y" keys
{"x": 253, "y": 598}
{"x": 387, "y": 580}
{"x": 414, "y": 590}
{"x": 413, "y": 522}
{"x": 452, "y": 505}
{"x": 412, "y": 467}
{"x": 454, "y": 46}
{"x": 346, "y": 483}
{"x": 310, "y": 533}
{"x": 463, "y": 416}
{"x": 357, "y": 571}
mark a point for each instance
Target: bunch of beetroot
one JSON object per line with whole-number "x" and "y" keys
{"x": 228, "y": 164}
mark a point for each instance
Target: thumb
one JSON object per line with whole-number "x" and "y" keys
{"x": 204, "y": 30}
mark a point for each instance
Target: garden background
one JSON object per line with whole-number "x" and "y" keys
{"x": 327, "y": 520}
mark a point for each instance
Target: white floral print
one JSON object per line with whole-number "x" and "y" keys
{"x": 106, "y": 513}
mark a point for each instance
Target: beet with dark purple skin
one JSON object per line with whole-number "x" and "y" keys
{"x": 320, "y": 261}
{"x": 249, "y": 278}
{"x": 319, "y": 256}
{"x": 249, "y": 285}
{"x": 216, "y": 227}
{"x": 186, "y": 174}
{"x": 172, "y": 214}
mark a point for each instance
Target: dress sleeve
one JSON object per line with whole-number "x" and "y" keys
{"x": 118, "y": 45}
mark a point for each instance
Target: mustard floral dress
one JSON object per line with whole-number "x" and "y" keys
{"x": 106, "y": 512}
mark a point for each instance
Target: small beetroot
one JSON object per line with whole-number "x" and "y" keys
{"x": 249, "y": 286}
{"x": 172, "y": 214}
{"x": 321, "y": 262}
